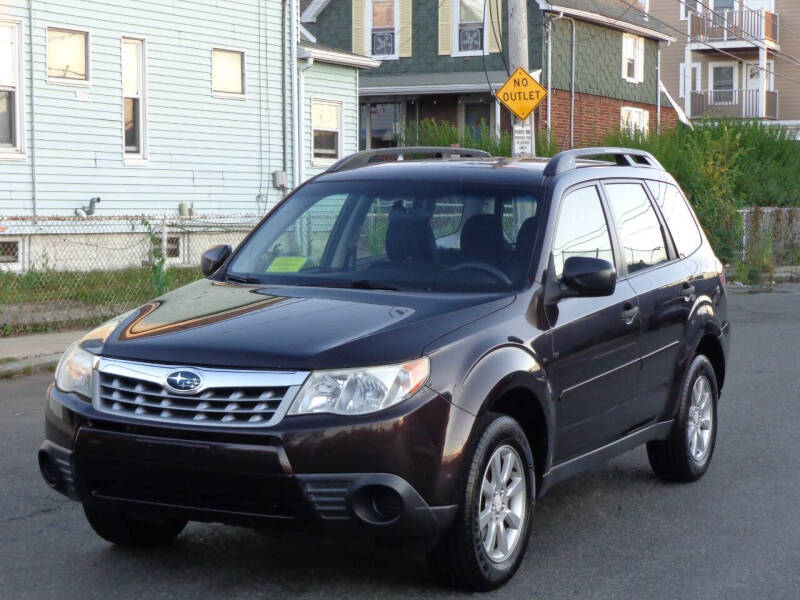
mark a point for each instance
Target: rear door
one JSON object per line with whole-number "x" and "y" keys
{"x": 595, "y": 366}
{"x": 661, "y": 282}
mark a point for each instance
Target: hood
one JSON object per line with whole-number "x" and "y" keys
{"x": 214, "y": 324}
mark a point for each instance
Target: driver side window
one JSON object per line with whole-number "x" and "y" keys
{"x": 582, "y": 229}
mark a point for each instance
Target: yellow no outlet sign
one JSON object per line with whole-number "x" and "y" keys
{"x": 521, "y": 94}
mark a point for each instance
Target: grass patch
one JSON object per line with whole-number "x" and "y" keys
{"x": 92, "y": 287}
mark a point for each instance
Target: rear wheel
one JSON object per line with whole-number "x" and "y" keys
{"x": 686, "y": 454}
{"x": 123, "y": 530}
{"x": 486, "y": 544}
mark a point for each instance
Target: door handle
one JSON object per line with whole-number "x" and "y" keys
{"x": 629, "y": 313}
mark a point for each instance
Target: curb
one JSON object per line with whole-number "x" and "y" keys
{"x": 29, "y": 366}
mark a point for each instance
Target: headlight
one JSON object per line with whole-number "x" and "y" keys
{"x": 74, "y": 371}
{"x": 360, "y": 391}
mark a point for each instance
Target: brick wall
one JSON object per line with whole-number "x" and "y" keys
{"x": 595, "y": 116}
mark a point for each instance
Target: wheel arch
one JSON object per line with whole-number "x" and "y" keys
{"x": 510, "y": 381}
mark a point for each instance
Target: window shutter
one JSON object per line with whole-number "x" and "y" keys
{"x": 445, "y": 27}
{"x": 640, "y": 59}
{"x": 358, "y": 27}
{"x": 495, "y": 20}
{"x": 405, "y": 30}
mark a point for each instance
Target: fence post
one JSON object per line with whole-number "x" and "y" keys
{"x": 744, "y": 212}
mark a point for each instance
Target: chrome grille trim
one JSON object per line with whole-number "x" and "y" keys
{"x": 226, "y": 397}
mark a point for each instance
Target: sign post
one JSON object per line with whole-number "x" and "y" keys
{"x": 521, "y": 94}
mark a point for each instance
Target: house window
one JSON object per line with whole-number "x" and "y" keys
{"x": 632, "y": 58}
{"x": 723, "y": 83}
{"x": 9, "y": 252}
{"x": 383, "y": 31}
{"x": 10, "y": 90}
{"x": 688, "y": 7}
{"x": 133, "y": 96}
{"x": 227, "y": 73}
{"x": 470, "y": 21}
{"x": 173, "y": 249}
{"x": 634, "y": 120}
{"x": 326, "y": 118}
{"x": 67, "y": 56}
{"x": 684, "y": 79}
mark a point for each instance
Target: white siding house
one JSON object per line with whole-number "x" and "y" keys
{"x": 199, "y": 132}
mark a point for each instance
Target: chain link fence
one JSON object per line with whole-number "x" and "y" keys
{"x": 770, "y": 242}
{"x": 59, "y": 272}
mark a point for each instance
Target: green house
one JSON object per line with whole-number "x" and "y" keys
{"x": 443, "y": 59}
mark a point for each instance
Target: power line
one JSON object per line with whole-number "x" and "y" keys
{"x": 736, "y": 58}
{"x": 755, "y": 41}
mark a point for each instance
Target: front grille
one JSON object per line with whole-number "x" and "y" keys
{"x": 229, "y": 398}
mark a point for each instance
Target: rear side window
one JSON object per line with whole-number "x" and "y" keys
{"x": 678, "y": 216}
{"x": 637, "y": 224}
{"x": 582, "y": 229}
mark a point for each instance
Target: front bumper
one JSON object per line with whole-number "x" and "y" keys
{"x": 343, "y": 479}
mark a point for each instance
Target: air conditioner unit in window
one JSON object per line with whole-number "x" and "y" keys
{"x": 382, "y": 43}
{"x": 470, "y": 39}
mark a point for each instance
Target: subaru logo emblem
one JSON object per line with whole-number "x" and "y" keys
{"x": 184, "y": 382}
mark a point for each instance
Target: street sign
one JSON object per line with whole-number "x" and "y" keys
{"x": 521, "y": 94}
{"x": 523, "y": 140}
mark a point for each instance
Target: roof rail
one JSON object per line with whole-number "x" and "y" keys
{"x": 625, "y": 157}
{"x": 367, "y": 157}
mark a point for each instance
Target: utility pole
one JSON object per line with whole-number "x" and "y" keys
{"x": 518, "y": 47}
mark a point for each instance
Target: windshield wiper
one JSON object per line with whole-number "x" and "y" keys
{"x": 240, "y": 279}
{"x": 366, "y": 284}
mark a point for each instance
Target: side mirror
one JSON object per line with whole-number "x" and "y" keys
{"x": 589, "y": 277}
{"x": 213, "y": 258}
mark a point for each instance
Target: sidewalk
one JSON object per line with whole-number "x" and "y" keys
{"x": 31, "y": 353}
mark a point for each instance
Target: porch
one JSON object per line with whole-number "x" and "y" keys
{"x": 734, "y": 104}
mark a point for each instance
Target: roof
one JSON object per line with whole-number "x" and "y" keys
{"x": 430, "y": 83}
{"x": 327, "y": 54}
{"x": 623, "y": 14}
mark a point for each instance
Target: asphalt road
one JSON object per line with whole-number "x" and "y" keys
{"x": 615, "y": 532}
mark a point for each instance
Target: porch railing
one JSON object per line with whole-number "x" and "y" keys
{"x": 734, "y": 25}
{"x": 733, "y": 104}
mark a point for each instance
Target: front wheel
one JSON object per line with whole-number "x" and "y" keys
{"x": 686, "y": 454}
{"x": 123, "y": 530}
{"x": 486, "y": 544}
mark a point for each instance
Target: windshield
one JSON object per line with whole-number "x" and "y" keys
{"x": 443, "y": 237}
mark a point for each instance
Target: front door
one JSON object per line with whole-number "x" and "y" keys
{"x": 595, "y": 366}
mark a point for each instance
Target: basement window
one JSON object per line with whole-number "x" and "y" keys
{"x": 9, "y": 252}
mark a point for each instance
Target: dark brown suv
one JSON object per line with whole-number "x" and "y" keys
{"x": 411, "y": 348}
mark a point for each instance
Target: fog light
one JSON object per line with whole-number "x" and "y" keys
{"x": 387, "y": 503}
{"x": 50, "y": 472}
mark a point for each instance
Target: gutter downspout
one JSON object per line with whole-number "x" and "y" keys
{"x": 549, "y": 75}
{"x": 33, "y": 110}
{"x": 284, "y": 102}
{"x": 572, "y": 82}
{"x": 301, "y": 171}
{"x": 658, "y": 91}
{"x": 294, "y": 76}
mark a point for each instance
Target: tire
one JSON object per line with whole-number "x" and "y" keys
{"x": 123, "y": 530}
{"x": 678, "y": 458}
{"x": 461, "y": 558}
